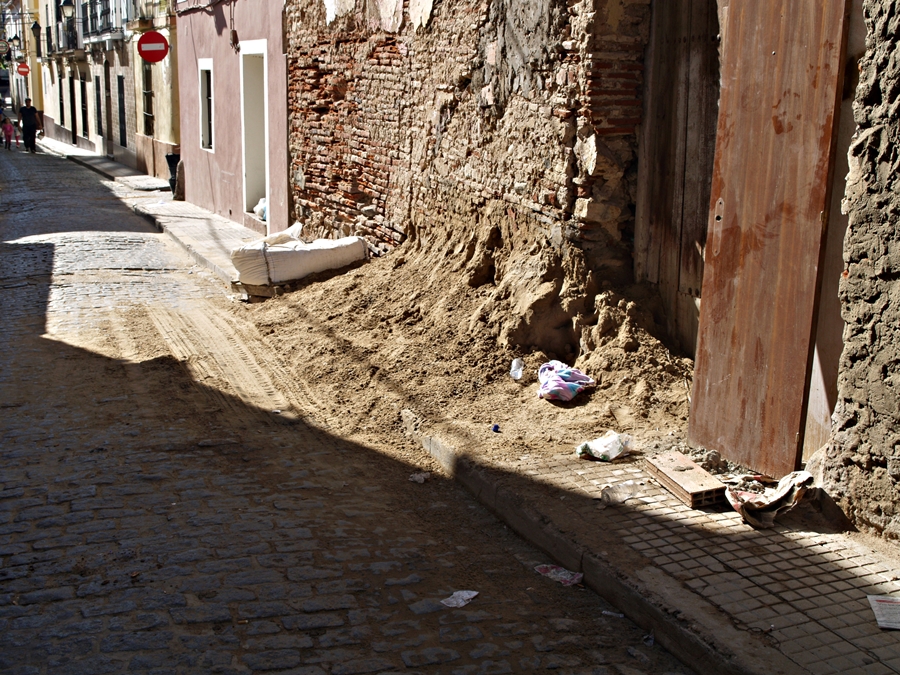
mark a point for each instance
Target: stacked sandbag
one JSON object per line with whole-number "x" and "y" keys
{"x": 281, "y": 257}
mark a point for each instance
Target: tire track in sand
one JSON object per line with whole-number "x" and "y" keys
{"x": 216, "y": 356}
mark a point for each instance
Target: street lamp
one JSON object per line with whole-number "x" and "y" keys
{"x": 36, "y": 31}
{"x": 68, "y": 8}
{"x": 15, "y": 41}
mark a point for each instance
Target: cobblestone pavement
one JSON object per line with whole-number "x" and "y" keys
{"x": 157, "y": 515}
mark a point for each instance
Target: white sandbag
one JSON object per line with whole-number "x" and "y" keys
{"x": 261, "y": 263}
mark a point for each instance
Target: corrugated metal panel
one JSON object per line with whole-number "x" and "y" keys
{"x": 781, "y": 67}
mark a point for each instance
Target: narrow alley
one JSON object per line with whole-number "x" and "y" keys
{"x": 166, "y": 508}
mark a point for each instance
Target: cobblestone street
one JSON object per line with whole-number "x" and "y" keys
{"x": 164, "y": 508}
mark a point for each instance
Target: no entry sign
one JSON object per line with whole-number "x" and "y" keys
{"x": 153, "y": 46}
{"x": 23, "y": 69}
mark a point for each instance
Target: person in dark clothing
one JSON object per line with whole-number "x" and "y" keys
{"x": 29, "y": 123}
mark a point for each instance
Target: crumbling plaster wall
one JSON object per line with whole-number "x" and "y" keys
{"x": 861, "y": 465}
{"x": 501, "y": 133}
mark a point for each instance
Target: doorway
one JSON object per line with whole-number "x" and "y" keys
{"x": 72, "y": 109}
{"x": 107, "y": 90}
{"x": 254, "y": 94}
{"x": 675, "y": 162}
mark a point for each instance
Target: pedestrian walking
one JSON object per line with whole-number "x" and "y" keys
{"x": 30, "y": 123}
{"x": 7, "y": 128}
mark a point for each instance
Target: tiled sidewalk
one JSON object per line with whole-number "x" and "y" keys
{"x": 799, "y": 591}
{"x": 722, "y": 596}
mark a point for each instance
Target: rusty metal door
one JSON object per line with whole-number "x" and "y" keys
{"x": 781, "y": 67}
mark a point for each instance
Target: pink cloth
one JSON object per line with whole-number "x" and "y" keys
{"x": 561, "y": 383}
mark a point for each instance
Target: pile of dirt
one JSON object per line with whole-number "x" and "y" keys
{"x": 436, "y": 332}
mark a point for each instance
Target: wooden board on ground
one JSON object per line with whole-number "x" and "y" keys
{"x": 781, "y": 66}
{"x": 688, "y": 481}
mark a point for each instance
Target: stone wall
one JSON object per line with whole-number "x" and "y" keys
{"x": 862, "y": 463}
{"x": 500, "y": 132}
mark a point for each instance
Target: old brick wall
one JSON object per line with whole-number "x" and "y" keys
{"x": 501, "y": 133}
{"x": 862, "y": 464}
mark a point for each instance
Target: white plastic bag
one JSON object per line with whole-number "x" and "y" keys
{"x": 608, "y": 447}
{"x": 260, "y": 209}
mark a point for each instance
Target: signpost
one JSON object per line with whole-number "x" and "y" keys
{"x": 23, "y": 69}
{"x": 4, "y": 47}
{"x": 153, "y": 46}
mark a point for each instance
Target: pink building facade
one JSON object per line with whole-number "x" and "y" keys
{"x": 233, "y": 101}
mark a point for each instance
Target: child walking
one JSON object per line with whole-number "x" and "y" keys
{"x": 7, "y": 128}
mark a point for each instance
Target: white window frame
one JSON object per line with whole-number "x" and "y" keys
{"x": 206, "y": 65}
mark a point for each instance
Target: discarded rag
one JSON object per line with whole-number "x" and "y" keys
{"x": 760, "y": 510}
{"x": 559, "y": 382}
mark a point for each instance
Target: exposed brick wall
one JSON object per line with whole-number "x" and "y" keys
{"x": 524, "y": 112}
{"x": 862, "y": 464}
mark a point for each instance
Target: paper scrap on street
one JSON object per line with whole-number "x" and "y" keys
{"x": 560, "y": 574}
{"x": 887, "y": 610}
{"x": 459, "y": 599}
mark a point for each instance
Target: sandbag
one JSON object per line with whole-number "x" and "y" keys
{"x": 279, "y": 258}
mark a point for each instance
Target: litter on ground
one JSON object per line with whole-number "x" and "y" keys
{"x": 608, "y": 447}
{"x": 459, "y": 599}
{"x": 760, "y": 510}
{"x": 620, "y": 492}
{"x": 560, "y": 574}
{"x": 559, "y": 382}
{"x": 887, "y": 610}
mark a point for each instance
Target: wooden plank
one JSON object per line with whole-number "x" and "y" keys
{"x": 688, "y": 481}
{"x": 702, "y": 113}
{"x": 672, "y": 122}
{"x": 642, "y": 254}
{"x": 675, "y": 157}
{"x": 781, "y": 68}
{"x": 660, "y": 167}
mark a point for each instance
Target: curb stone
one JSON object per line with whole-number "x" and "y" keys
{"x": 688, "y": 636}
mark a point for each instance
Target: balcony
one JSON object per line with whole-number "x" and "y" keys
{"x": 62, "y": 37}
{"x": 100, "y": 23}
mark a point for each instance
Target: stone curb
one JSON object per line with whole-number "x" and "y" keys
{"x": 196, "y": 256}
{"x": 703, "y": 652}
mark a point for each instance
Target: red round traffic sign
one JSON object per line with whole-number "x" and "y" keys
{"x": 23, "y": 69}
{"x": 153, "y": 46}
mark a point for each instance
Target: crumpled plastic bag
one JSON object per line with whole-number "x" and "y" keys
{"x": 260, "y": 209}
{"x": 760, "y": 510}
{"x": 459, "y": 599}
{"x": 608, "y": 447}
{"x": 559, "y": 382}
